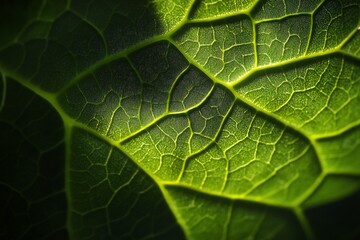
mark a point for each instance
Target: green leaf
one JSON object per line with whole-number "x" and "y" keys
{"x": 174, "y": 119}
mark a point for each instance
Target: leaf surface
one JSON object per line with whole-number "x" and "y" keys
{"x": 179, "y": 119}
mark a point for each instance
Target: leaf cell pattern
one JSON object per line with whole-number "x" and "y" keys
{"x": 178, "y": 119}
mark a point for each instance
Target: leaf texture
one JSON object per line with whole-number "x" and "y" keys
{"x": 172, "y": 119}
